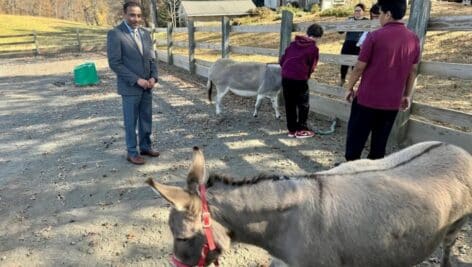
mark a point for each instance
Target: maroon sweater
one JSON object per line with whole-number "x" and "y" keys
{"x": 300, "y": 59}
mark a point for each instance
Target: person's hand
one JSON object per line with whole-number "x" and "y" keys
{"x": 152, "y": 82}
{"x": 406, "y": 103}
{"x": 143, "y": 83}
{"x": 350, "y": 94}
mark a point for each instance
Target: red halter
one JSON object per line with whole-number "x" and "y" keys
{"x": 210, "y": 244}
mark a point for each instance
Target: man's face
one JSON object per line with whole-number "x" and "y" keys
{"x": 384, "y": 17}
{"x": 133, "y": 16}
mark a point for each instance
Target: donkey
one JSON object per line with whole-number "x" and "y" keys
{"x": 245, "y": 79}
{"x": 389, "y": 212}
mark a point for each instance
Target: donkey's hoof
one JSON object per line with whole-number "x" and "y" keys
{"x": 254, "y": 115}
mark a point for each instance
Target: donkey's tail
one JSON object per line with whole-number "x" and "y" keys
{"x": 209, "y": 87}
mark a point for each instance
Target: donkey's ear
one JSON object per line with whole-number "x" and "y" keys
{"x": 197, "y": 173}
{"x": 177, "y": 196}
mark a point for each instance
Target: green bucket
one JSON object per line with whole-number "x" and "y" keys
{"x": 86, "y": 74}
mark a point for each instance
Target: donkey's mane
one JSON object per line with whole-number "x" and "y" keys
{"x": 227, "y": 180}
{"x": 219, "y": 178}
{"x": 382, "y": 168}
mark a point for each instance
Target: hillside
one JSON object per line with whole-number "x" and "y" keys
{"x": 51, "y": 32}
{"x": 14, "y": 24}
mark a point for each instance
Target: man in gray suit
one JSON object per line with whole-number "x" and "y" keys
{"x": 131, "y": 57}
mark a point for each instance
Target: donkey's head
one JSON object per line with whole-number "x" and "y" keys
{"x": 185, "y": 219}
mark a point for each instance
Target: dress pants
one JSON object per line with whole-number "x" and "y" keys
{"x": 137, "y": 111}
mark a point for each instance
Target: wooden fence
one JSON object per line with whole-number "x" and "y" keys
{"x": 50, "y": 43}
{"x": 425, "y": 123}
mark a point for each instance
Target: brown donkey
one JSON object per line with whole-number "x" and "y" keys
{"x": 389, "y": 212}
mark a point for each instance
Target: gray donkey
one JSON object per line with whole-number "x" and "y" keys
{"x": 245, "y": 79}
{"x": 389, "y": 212}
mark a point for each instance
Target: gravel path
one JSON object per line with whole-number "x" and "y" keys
{"x": 67, "y": 194}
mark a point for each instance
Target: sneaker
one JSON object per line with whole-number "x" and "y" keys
{"x": 304, "y": 134}
{"x": 292, "y": 134}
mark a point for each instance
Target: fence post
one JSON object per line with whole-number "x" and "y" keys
{"x": 225, "y": 32}
{"x": 170, "y": 43}
{"x": 418, "y": 22}
{"x": 191, "y": 45}
{"x": 36, "y": 43}
{"x": 79, "y": 44}
{"x": 285, "y": 31}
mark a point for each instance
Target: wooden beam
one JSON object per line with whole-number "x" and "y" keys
{"x": 442, "y": 115}
{"x": 182, "y": 62}
{"x": 36, "y": 43}
{"x": 180, "y": 29}
{"x": 327, "y": 89}
{"x": 341, "y": 26}
{"x": 208, "y": 29}
{"x": 418, "y": 22}
{"x": 419, "y": 131}
{"x": 202, "y": 70}
{"x": 16, "y": 35}
{"x": 225, "y": 32}
{"x": 330, "y": 107}
{"x": 338, "y": 59}
{"x": 191, "y": 45}
{"x": 204, "y": 62}
{"x": 203, "y": 45}
{"x": 170, "y": 43}
{"x": 450, "y": 23}
{"x": 285, "y": 31}
{"x": 79, "y": 43}
{"x": 254, "y": 50}
{"x": 257, "y": 28}
{"x": 446, "y": 70}
{"x": 162, "y": 55}
{"x": 17, "y": 43}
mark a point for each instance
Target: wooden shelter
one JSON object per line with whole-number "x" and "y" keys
{"x": 214, "y": 10}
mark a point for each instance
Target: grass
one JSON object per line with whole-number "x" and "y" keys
{"x": 45, "y": 28}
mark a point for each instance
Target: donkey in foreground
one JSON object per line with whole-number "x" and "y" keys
{"x": 389, "y": 212}
{"x": 245, "y": 79}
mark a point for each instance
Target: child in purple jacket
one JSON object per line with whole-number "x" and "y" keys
{"x": 298, "y": 62}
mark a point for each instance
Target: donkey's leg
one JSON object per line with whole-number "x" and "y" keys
{"x": 219, "y": 95}
{"x": 258, "y": 104}
{"x": 275, "y": 105}
{"x": 449, "y": 241}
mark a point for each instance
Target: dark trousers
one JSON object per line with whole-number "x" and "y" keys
{"x": 362, "y": 122}
{"x": 137, "y": 111}
{"x": 349, "y": 48}
{"x": 297, "y": 100}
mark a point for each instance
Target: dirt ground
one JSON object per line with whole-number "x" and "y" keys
{"x": 68, "y": 196}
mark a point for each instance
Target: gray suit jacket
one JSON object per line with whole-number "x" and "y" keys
{"x": 127, "y": 62}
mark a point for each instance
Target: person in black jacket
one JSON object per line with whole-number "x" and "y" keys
{"x": 350, "y": 43}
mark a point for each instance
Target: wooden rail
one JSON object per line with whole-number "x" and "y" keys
{"x": 16, "y": 43}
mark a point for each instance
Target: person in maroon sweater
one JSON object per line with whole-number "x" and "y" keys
{"x": 387, "y": 66}
{"x": 298, "y": 63}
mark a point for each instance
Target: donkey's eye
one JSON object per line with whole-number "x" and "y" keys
{"x": 182, "y": 239}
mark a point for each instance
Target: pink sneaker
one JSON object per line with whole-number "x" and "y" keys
{"x": 304, "y": 134}
{"x": 292, "y": 134}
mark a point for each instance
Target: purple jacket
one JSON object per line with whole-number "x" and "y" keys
{"x": 300, "y": 59}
